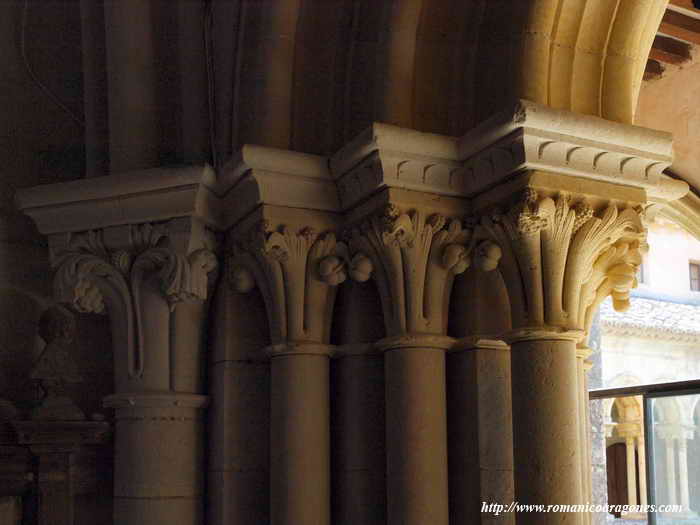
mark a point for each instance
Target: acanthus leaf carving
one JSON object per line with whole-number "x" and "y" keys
{"x": 297, "y": 273}
{"x": 95, "y": 279}
{"x": 415, "y": 256}
{"x": 554, "y": 257}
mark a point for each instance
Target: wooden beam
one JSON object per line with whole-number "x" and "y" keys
{"x": 653, "y": 70}
{"x": 681, "y": 26}
{"x": 687, "y": 4}
{"x": 669, "y": 50}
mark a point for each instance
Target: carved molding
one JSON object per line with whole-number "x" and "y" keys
{"x": 95, "y": 278}
{"x": 560, "y": 259}
{"x": 540, "y": 150}
{"x": 526, "y": 136}
{"x": 156, "y": 400}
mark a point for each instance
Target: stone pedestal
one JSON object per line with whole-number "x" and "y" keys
{"x": 66, "y": 464}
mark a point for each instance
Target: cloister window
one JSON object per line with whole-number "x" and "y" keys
{"x": 694, "y": 268}
{"x": 646, "y": 371}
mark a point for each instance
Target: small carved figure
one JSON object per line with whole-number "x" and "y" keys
{"x": 55, "y": 367}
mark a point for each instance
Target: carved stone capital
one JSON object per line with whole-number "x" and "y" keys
{"x": 297, "y": 271}
{"x": 106, "y": 270}
{"x": 561, "y": 257}
{"x": 416, "y": 254}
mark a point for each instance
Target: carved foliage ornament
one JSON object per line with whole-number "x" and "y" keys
{"x": 89, "y": 275}
{"x": 559, "y": 257}
{"x": 296, "y": 273}
{"x": 416, "y": 257}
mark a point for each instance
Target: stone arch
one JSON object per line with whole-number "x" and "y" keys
{"x": 433, "y": 65}
{"x": 628, "y": 409}
{"x": 666, "y": 410}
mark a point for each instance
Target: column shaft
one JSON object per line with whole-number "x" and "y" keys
{"x": 238, "y": 487}
{"x": 300, "y": 440}
{"x": 547, "y": 460}
{"x": 359, "y": 495}
{"x": 671, "y": 471}
{"x": 416, "y": 434}
{"x": 159, "y": 455}
{"x": 584, "y": 432}
{"x": 480, "y": 435}
{"x": 631, "y": 472}
{"x": 641, "y": 455}
{"x": 683, "y": 473}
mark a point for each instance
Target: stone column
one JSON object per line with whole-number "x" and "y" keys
{"x": 358, "y": 415}
{"x": 480, "y": 434}
{"x": 631, "y": 471}
{"x": 159, "y": 444}
{"x": 559, "y": 196}
{"x": 359, "y": 495}
{"x": 547, "y": 457}
{"x": 416, "y": 252}
{"x": 416, "y": 429}
{"x": 671, "y": 471}
{"x": 641, "y": 455}
{"x": 683, "y": 473}
{"x": 551, "y": 242}
{"x": 136, "y": 247}
{"x": 582, "y": 368}
{"x": 239, "y": 415}
{"x": 558, "y": 193}
{"x": 300, "y": 435}
{"x": 158, "y": 458}
{"x": 296, "y": 269}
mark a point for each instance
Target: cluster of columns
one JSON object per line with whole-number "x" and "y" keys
{"x": 543, "y": 219}
{"x": 633, "y": 436}
{"x": 675, "y": 442}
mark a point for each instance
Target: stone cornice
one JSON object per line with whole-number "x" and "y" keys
{"x": 130, "y": 198}
{"x": 536, "y": 137}
{"x": 527, "y": 136}
{"x": 258, "y": 175}
{"x": 389, "y": 156}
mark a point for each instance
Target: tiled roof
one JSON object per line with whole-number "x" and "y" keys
{"x": 653, "y": 318}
